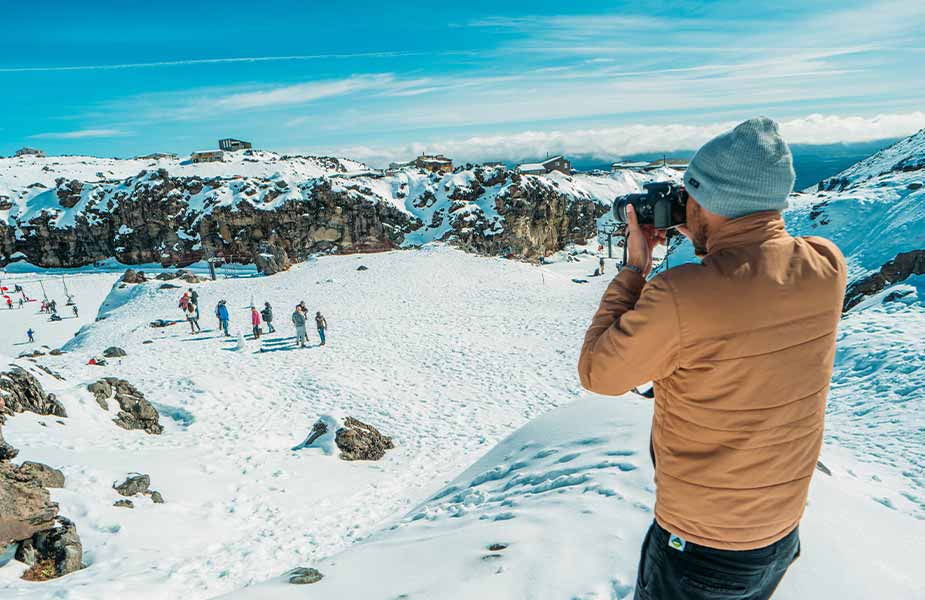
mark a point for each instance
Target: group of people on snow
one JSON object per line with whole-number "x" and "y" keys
{"x": 189, "y": 304}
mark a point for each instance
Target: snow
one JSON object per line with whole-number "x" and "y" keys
{"x": 469, "y": 364}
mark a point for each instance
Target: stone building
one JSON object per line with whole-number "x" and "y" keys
{"x": 556, "y": 163}
{"x": 207, "y": 156}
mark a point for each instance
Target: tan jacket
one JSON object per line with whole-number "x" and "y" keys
{"x": 740, "y": 349}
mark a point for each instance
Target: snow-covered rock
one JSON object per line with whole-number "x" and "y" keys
{"x": 172, "y": 213}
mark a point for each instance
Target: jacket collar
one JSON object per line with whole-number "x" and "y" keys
{"x": 748, "y": 230}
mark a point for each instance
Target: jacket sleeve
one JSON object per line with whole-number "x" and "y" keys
{"x": 634, "y": 337}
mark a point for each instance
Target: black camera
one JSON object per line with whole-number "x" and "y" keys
{"x": 663, "y": 205}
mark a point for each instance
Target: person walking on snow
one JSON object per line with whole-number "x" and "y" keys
{"x": 20, "y": 302}
{"x": 31, "y": 335}
{"x": 74, "y": 308}
{"x": 193, "y": 296}
{"x": 298, "y": 319}
{"x": 738, "y": 425}
{"x": 321, "y": 324}
{"x": 9, "y": 303}
{"x": 192, "y": 315}
{"x": 601, "y": 263}
{"x": 221, "y": 311}
{"x": 184, "y": 301}
{"x": 267, "y": 314}
{"x": 255, "y": 321}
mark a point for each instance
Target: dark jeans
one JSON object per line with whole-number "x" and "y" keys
{"x": 701, "y": 573}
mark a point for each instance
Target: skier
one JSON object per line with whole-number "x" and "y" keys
{"x": 601, "y": 263}
{"x": 9, "y": 303}
{"x": 193, "y": 296}
{"x": 255, "y": 321}
{"x": 321, "y": 324}
{"x": 74, "y": 308}
{"x": 298, "y": 319}
{"x": 267, "y": 314}
{"x": 53, "y": 307}
{"x": 221, "y": 311}
{"x": 20, "y": 302}
{"x": 31, "y": 335}
{"x": 184, "y": 301}
{"x": 192, "y": 315}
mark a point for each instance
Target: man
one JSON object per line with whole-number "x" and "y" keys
{"x": 740, "y": 349}
{"x": 298, "y": 319}
{"x": 321, "y": 324}
{"x": 267, "y": 314}
{"x": 31, "y": 335}
{"x": 76, "y": 313}
{"x": 194, "y": 296}
{"x": 221, "y": 311}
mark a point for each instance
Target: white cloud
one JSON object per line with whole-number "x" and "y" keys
{"x": 301, "y": 93}
{"x": 614, "y": 142}
{"x": 81, "y": 133}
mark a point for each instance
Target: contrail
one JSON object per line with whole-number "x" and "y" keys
{"x": 212, "y": 61}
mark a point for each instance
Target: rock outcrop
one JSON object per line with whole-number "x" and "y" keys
{"x": 42, "y": 474}
{"x": 114, "y": 352}
{"x": 25, "y": 506}
{"x": 137, "y": 484}
{"x": 135, "y": 411}
{"x": 20, "y": 391}
{"x": 273, "y": 221}
{"x": 894, "y": 271}
{"x": 52, "y": 552}
{"x": 359, "y": 441}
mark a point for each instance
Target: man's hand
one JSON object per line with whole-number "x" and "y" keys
{"x": 641, "y": 240}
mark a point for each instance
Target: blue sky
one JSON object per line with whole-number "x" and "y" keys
{"x": 478, "y": 80}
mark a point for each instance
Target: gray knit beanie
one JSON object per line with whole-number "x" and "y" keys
{"x": 746, "y": 170}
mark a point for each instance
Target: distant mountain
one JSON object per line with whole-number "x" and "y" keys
{"x": 812, "y": 162}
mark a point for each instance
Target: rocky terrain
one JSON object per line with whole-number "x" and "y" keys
{"x": 267, "y": 211}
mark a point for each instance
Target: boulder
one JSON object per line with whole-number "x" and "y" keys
{"x": 25, "y": 506}
{"x": 156, "y": 497}
{"x": 22, "y": 392}
{"x": 124, "y": 503}
{"x": 318, "y": 429}
{"x": 114, "y": 352}
{"x": 52, "y": 552}
{"x": 303, "y": 575}
{"x": 168, "y": 286}
{"x": 132, "y": 276}
{"x": 133, "y": 485}
{"x": 7, "y": 452}
{"x": 359, "y": 441}
{"x": 101, "y": 391}
{"x": 362, "y": 268}
{"x": 165, "y": 276}
{"x": 190, "y": 278}
{"x": 44, "y": 475}
{"x": 136, "y": 412}
{"x": 270, "y": 259}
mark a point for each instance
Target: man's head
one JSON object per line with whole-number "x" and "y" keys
{"x": 748, "y": 169}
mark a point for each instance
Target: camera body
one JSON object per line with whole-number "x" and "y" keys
{"x": 663, "y": 205}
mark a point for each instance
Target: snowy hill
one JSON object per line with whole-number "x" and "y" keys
{"x": 74, "y": 211}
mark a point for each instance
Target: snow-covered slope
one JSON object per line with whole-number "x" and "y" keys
{"x": 559, "y": 510}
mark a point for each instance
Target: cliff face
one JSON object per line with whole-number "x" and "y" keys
{"x": 159, "y": 217}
